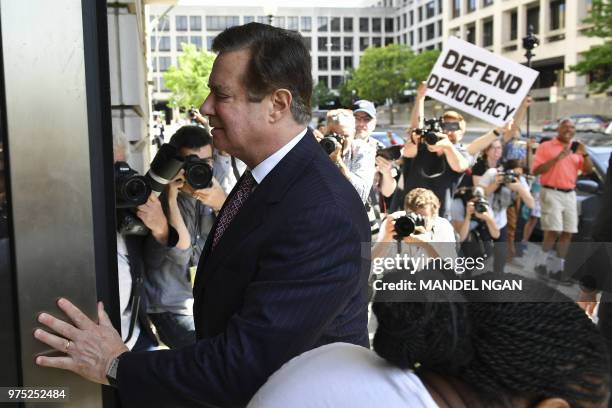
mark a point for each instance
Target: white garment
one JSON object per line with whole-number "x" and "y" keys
{"x": 125, "y": 291}
{"x": 262, "y": 169}
{"x": 342, "y": 375}
{"x": 502, "y": 199}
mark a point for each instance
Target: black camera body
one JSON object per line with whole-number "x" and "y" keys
{"x": 165, "y": 166}
{"x": 509, "y": 177}
{"x": 474, "y": 195}
{"x": 330, "y": 142}
{"x": 131, "y": 189}
{"x": 198, "y": 172}
{"x": 481, "y": 205}
{"x": 406, "y": 225}
{"x": 390, "y": 153}
{"x": 428, "y": 134}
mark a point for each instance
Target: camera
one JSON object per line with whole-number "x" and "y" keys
{"x": 330, "y": 142}
{"x": 390, "y": 153}
{"x": 406, "y": 225}
{"x": 509, "y": 176}
{"x": 131, "y": 188}
{"x": 428, "y": 135}
{"x": 481, "y": 205}
{"x": 198, "y": 173}
{"x": 165, "y": 166}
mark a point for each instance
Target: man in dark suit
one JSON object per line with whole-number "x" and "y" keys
{"x": 283, "y": 270}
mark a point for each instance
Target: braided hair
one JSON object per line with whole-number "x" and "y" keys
{"x": 505, "y": 351}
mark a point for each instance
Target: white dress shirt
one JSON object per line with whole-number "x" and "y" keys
{"x": 265, "y": 167}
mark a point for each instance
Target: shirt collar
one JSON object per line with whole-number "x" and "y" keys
{"x": 262, "y": 169}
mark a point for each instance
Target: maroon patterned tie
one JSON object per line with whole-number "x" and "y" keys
{"x": 247, "y": 182}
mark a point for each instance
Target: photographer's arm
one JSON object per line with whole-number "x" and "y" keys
{"x": 175, "y": 217}
{"x": 491, "y": 224}
{"x": 418, "y": 110}
{"x": 482, "y": 142}
{"x": 387, "y": 183}
{"x": 524, "y": 193}
{"x": 455, "y": 159}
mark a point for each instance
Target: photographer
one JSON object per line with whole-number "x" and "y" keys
{"x": 135, "y": 326}
{"x": 502, "y": 189}
{"x": 438, "y": 162}
{"x": 431, "y": 233}
{"x": 192, "y": 212}
{"x": 354, "y": 158}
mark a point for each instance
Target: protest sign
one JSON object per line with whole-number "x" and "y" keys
{"x": 476, "y": 81}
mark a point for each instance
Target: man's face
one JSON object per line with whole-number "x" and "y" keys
{"x": 567, "y": 130}
{"x": 364, "y": 125}
{"x": 237, "y": 122}
{"x": 456, "y": 135}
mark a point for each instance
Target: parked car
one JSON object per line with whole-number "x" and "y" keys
{"x": 384, "y": 139}
{"x": 584, "y": 123}
{"x": 590, "y": 123}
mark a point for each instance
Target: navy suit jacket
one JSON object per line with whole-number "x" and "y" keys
{"x": 288, "y": 275}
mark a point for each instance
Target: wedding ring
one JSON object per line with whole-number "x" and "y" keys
{"x": 68, "y": 342}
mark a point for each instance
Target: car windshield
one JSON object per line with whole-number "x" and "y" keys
{"x": 602, "y": 156}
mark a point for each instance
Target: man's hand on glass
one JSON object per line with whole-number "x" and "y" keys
{"x": 90, "y": 347}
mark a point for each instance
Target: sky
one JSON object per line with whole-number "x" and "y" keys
{"x": 279, "y": 3}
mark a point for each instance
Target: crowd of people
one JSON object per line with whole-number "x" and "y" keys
{"x": 278, "y": 313}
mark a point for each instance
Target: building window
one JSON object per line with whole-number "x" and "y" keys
{"x": 470, "y": 34}
{"x": 209, "y": 42}
{"x": 364, "y": 42}
{"x": 430, "y": 9}
{"x": 348, "y": 24}
{"x": 323, "y": 64}
{"x": 513, "y": 25}
{"x": 335, "y": 24}
{"x": 533, "y": 19}
{"x": 162, "y": 85}
{"x": 248, "y": 19}
{"x": 376, "y": 42}
{"x": 335, "y": 44}
{"x": 307, "y": 42}
{"x": 440, "y": 28}
{"x": 348, "y": 43}
{"x": 181, "y": 39}
{"x": 420, "y": 35}
{"x": 336, "y": 81}
{"x": 292, "y": 24}
{"x": 348, "y": 62}
{"x": 440, "y": 6}
{"x": 279, "y": 22}
{"x": 323, "y": 80}
{"x": 364, "y": 25}
{"x": 486, "y": 3}
{"x": 456, "y": 8}
{"x": 420, "y": 15}
{"x": 471, "y": 5}
{"x": 163, "y": 63}
{"x": 195, "y": 23}
{"x": 181, "y": 23}
{"x": 163, "y": 44}
{"x": 557, "y": 15}
{"x": 322, "y": 23}
{"x": 197, "y": 41}
{"x": 306, "y": 23}
{"x": 411, "y": 38}
{"x": 376, "y": 25}
{"x": 389, "y": 25}
{"x": 336, "y": 63}
{"x": 262, "y": 19}
{"x": 404, "y": 20}
{"x": 487, "y": 33}
{"x": 411, "y": 18}
{"x": 322, "y": 43}
{"x": 388, "y": 41}
{"x": 163, "y": 24}
{"x": 219, "y": 23}
{"x": 430, "y": 31}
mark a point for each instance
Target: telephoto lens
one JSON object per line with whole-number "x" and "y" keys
{"x": 164, "y": 167}
{"x": 131, "y": 189}
{"x": 198, "y": 173}
{"x": 406, "y": 225}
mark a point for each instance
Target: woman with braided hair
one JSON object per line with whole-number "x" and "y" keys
{"x": 472, "y": 354}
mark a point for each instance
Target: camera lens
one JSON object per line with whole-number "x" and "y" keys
{"x": 164, "y": 167}
{"x": 132, "y": 190}
{"x": 198, "y": 173}
{"x": 328, "y": 143}
{"x": 406, "y": 225}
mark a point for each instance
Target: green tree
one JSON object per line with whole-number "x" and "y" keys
{"x": 321, "y": 95}
{"x": 597, "y": 61}
{"x": 347, "y": 91}
{"x": 384, "y": 73}
{"x": 188, "y": 83}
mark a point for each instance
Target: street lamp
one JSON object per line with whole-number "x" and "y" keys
{"x": 529, "y": 43}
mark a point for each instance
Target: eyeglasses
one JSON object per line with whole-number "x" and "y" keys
{"x": 363, "y": 118}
